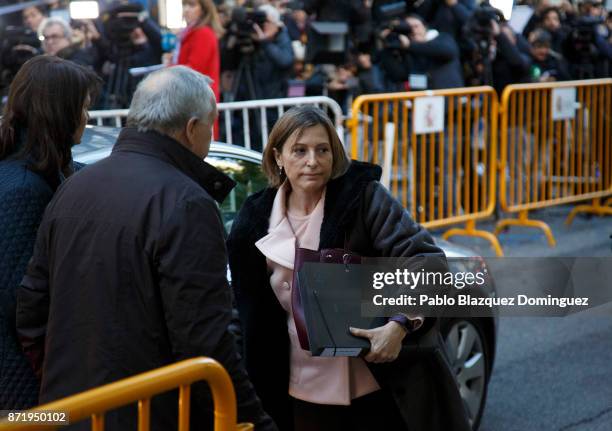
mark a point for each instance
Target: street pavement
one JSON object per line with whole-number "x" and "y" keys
{"x": 552, "y": 373}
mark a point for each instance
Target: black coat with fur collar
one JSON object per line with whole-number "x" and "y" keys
{"x": 362, "y": 212}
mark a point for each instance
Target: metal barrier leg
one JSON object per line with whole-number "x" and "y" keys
{"x": 97, "y": 422}
{"x": 595, "y": 208}
{"x": 470, "y": 230}
{"x": 524, "y": 221}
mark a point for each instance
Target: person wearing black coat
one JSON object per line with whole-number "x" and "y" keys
{"x": 512, "y": 59}
{"x": 129, "y": 267}
{"x": 432, "y": 56}
{"x": 356, "y": 213}
{"x": 448, "y": 16}
{"x": 36, "y": 136}
{"x": 546, "y": 65}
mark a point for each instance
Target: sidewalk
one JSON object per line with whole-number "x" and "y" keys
{"x": 587, "y": 236}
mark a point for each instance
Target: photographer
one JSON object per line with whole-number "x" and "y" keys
{"x": 369, "y": 75}
{"x": 129, "y": 34}
{"x": 127, "y": 39}
{"x": 551, "y": 22}
{"x": 57, "y": 37}
{"x": 17, "y": 45}
{"x": 392, "y": 57}
{"x": 492, "y": 53}
{"x": 512, "y": 59}
{"x": 447, "y": 16}
{"x": 565, "y": 9}
{"x": 587, "y": 46}
{"x": 272, "y": 58}
{"x": 146, "y": 42}
{"x": 427, "y": 57}
{"x": 33, "y": 17}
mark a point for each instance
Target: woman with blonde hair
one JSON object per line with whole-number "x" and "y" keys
{"x": 320, "y": 199}
{"x": 199, "y": 42}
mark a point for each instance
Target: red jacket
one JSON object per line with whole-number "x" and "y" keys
{"x": 200, "y": 51}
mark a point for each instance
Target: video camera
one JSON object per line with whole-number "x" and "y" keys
{"x": 391, "y": 17}
{"x": 119, "y": 22}
{"x": 19, "y": 44}
{"x": 240, "y": 29}
{"x": 582, "y": 35}
{"x": 477, "y": 41}
{"x": 579, "y": 47}
{"x": 479, "y": 28}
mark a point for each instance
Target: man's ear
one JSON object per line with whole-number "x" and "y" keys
{"x": 190, "y": 131}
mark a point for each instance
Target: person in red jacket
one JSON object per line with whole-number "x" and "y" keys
{"x": 199, "y": 42}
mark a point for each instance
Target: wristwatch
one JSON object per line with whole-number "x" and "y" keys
{"x": 408, "y": 324}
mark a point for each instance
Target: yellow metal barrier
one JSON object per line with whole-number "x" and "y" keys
{"x": 95, "y": 402}
{"x": 555, "y": 149}
{"x": 443, "y": 153}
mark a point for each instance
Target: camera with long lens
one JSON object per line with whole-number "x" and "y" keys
{"x": 390, "y": 16}
{"x": 476, "y": 44}
{"x": 119, "y": 23}
{"x": 18, "y": 45}
{"x": 392, "y": 41}
{"x": 240, "y": 29}
{"x": 579, "y": 47}
{"x": 479, "y": 28}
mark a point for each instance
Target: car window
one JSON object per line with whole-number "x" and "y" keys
{"x": 249, "y": 179}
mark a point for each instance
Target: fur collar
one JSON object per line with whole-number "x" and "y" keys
{"x": 342, "y": 199}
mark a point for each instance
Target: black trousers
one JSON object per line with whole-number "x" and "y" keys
{"x": 373, "y": 412}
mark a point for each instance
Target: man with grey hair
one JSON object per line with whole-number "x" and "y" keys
{"x": 129, "y": 268}
{"x": 56, "y": 35}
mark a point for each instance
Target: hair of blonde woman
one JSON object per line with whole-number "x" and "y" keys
{"x": 295, "y": 121}
{"x": 210, "y": 17}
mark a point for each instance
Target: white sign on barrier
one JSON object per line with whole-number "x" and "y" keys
{"x": 563, "y": 102}
{"x": 428, "y": 114}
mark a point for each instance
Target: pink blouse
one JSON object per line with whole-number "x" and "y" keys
{"x": 335, "y": 380}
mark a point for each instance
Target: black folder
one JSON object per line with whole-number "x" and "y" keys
{"x": 331, "y": 297}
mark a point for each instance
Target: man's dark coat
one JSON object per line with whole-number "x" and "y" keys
{"x": 129, "y": 274}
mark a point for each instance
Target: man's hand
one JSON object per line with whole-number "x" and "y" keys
{"x": 386, "y": 32}
{"x": 568, "y": 7}
{"x": 385, "y": 341}
{"x": 91, "y": 31}
{"x": 267, "y": 33}
{"x": 507, "y": 30}
{"x": 364, "y": 61}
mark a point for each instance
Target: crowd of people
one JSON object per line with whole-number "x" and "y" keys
{"x": 265, "y": 49}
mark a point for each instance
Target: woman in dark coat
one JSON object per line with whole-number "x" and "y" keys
{"x": 321, "y": 199}
{"x": 44, "y": 117}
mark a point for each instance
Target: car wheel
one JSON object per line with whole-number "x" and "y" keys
{"x": 467, "y": 352}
